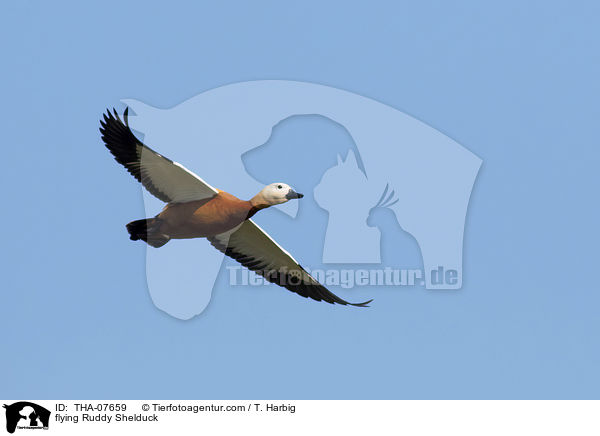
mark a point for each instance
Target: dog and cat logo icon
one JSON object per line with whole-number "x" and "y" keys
{"x": 26, "y": 415}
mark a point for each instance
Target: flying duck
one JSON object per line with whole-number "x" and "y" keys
{"x": 197, "y": 210}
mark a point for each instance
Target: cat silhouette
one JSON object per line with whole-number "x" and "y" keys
{"x": 347, "y": 195}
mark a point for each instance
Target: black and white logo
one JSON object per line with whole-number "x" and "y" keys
{"x": 26, "y": 415}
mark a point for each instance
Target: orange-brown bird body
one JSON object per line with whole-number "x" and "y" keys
{"x": 202, "y": 218}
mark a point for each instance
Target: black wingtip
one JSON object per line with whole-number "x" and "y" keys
{"x": 364, "y": 304}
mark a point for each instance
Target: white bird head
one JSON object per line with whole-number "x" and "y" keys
{"x": 278, "y": 193}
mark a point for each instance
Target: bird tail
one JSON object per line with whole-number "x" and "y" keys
{"x": 146, "y": 230}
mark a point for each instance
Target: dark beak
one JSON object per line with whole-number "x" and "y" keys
{"x": 293, "y": 194}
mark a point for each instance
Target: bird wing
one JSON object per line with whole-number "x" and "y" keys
{"x": 251, "y": 246}
{"x": 166, "y": 180}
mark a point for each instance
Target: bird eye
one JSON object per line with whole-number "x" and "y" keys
{"x": 279, "y": 187}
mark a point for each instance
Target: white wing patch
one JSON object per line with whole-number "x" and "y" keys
{"x": 166, "y": 180}
{"x": 255, "y": 249}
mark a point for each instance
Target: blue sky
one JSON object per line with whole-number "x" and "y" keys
{"x": 515, "y": 83}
